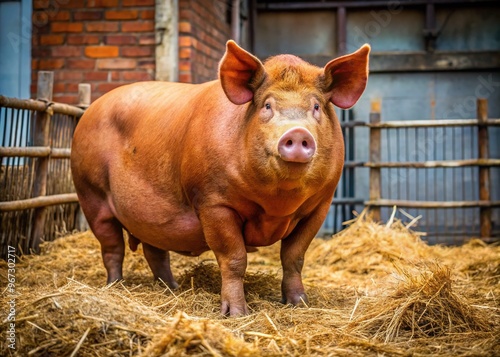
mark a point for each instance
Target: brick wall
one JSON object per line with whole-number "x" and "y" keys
{"x": 203, "y": 32}
{"x": 107, "y": 43}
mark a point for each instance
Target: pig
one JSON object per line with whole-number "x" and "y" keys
{"x": 247, "y": 160}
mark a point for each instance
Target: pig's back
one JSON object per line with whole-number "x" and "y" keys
{"x": 132, "y": 133}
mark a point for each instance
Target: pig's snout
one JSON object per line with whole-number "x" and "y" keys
{"x": 297, "y": 145}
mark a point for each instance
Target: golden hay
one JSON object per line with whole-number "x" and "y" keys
{"x": 373, "y": 289}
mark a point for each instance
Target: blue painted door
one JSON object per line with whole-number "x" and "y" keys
{"x": 15, "y": 48}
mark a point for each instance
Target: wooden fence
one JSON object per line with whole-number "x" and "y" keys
{"x": 37, "y": 198}
{"x": 38, "y": 202}
{"x": 376, "y": 201}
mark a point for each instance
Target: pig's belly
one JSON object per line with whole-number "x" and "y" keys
{"x": 164, "y": 226}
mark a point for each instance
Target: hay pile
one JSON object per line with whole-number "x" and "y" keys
{"x": 373, "y": 289}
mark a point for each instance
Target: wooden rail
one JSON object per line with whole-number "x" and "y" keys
{"x": 42, "y": 151}
{"x": 398, "y": 124}
{"x": 41, "y": 105}
{"x": 484, "y": 162}
{"x": 426, "y": 164}
{"x": 38, "y": 202}
{"x": 35, "y": 151}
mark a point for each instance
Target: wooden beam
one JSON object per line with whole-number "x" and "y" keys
{"x": 341, "y": 31}
{"x": 325, "y": 5}
{"x": 35, "y": 151}
{"x": 41, "y": 106}
{"x": 425, "y": 164}
{"x": 383, "y": 62}
{"x": 38, "y": 202}
{"x": 425, "y": 123}
{"x": 375, "y": 155}
{"x": 431, "y": 204}
{"x": 435, "y": 164}
{"x": 433, "y": 123}
{"x": 41, "y": 138}
{"x": 484, "y": 172}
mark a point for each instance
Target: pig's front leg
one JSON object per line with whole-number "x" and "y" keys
{"x": 293, "y": 249}
{"x": 222, "y": 229}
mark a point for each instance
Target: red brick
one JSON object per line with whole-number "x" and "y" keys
{"x": 184, "y": 65}
{"x": 66, "y": 27}
{"x": 41, "y": 52}
{"x": 58, "y": 87}
{"x": 114, "y": 75}
{"x": 65, "y": 98}
{"x": 120, "y": 40}
{"x": 146, "y": 64}
{"x": 71, "y": 4}
{"x": 137, "y": 76}
{"x": 116, "y": 63}
{"x": 87, "y": 15}
{"x": 34, "y": 65}
{"x": 51, "y": 39}
{"x": 95, "y": 76}
{"x": 66, "y": 51}
{"x": 33, "y": 88}
{"x": 106, "y": 87}
{"x": 138, "y": 26}
{"x": 136, "y": 51}
{"x": 59, "y": 15}
{"x": 101, "y": 26}
{"x": 68, "y": 75}
{"x": 185, "y": 26}
{"x": 40, "y": 4}
{"x": 138, "y": 2}
{"x": 72, "y": 88}
{"x": 101, "y": 51}
{"x": 81, "y": 64}
{"x": 35, "y": 40}
{"x": 185, "y": 78}
{"x": 184, "y": 14}
{"x": 185, "y": 41}
{"x": 51, "y": 63}
{"x": 122, "y": 14}
{"x": 185, "y": 53}
{"x": 102, "y": 3}
{"x": 39, "y": 18}
{"x": 82, "y": 39}
{"x": 147, "y": 40}
{"x": 148, "y": 14}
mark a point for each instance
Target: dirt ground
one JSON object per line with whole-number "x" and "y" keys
{"x": 374, "y": 290}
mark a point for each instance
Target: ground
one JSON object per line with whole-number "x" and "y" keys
{"x": 375, "y": 289}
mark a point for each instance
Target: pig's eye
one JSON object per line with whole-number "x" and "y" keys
{"x": 268, "y": 106}
{"x": 316, "y": 107}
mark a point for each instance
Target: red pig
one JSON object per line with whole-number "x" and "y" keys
{"x": 244, "y": 161}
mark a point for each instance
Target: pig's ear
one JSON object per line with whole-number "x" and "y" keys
{"x": 239, "y": 72}
{"x": 345, "y": 77}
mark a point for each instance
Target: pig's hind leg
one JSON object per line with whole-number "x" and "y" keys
{"x": 110, "y": 235}
{"x": 108, "y": 231}
{"x": 159, "y": 262}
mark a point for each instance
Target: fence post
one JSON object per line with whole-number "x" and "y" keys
{"x": 41, "y": 138}
{"x": 484, "y": 171}
{"x": 375, "y": 135}
{"x": 84, "y": 96}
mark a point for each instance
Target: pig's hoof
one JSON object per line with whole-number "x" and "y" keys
{"x": 114, "y": 279}
{"x": 232, "y": 310}
{"x": 172, "y": 284}
{"x": 296, "y": 300}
